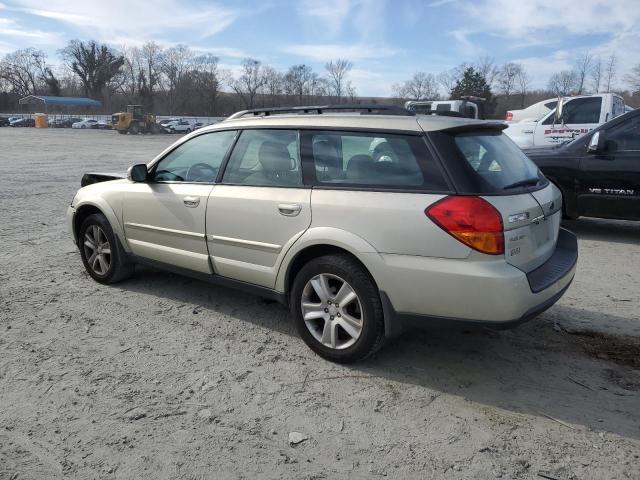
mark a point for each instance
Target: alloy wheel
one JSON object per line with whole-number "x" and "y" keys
{"x": 97, "y": 250}
{"x": 332, "y": 311}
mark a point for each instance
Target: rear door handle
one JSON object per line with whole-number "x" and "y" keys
{"x": 191, "y": 202}
{"x": 289, "y": 209}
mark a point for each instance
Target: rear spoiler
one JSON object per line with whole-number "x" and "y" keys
{"x": 472, "y": 127}
{"x": 96, "y": 177}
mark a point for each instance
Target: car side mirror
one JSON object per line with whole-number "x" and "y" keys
{"x": 138, "y": 173}
{"x": 598, "y": 142}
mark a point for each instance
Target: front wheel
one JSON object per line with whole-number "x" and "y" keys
{"x": 337, "y": 309}
{"x": 102, "y": 255}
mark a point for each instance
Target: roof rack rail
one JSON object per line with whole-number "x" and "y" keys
{"x": 319, "y": 109}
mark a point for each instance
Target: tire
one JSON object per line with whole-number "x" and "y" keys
{"x": 118, "y": 266}
{"x": 188, "y": 130}
{"x": 335, "y": 271}
{"x": 154, "y": 128}
{"x": 134, "y": 129}
{"x": 122, "y": 132}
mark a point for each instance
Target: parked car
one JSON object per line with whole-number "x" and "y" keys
{"x": 85, "y": 123}
{"x": 180, "y": 126}
{"x": 533, "y": 112}
{"x": 465, "y": 231}
{"x": 23, "y": 122}
{"x": 63, "y": 122}
{"x": 4, "y": 122}
{"x": 599, "y": 173}
{"x": 579, "y": 115}
{"x": 101, "y": 125}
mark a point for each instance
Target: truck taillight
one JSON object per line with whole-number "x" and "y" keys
{"x": 508, "y": 116}
{"x": 471, "y": 220}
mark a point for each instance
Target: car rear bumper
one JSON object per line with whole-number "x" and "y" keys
{"x": 435, "y": 292}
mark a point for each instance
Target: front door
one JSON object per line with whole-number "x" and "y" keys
{"x": 580, "y": 115}
{"x": 610, "y": 182}
{"x": 260, "y": 209}
{"x": 164, "y": 218}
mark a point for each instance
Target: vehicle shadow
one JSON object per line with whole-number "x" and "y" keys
{"x": 618, "y": 231}
{"x": 537, "y": 369}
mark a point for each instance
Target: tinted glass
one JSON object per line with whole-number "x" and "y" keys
{"x": 582, "y": 110}
{"x": 373, "y": 159}
{"x": 197, "y": 160}
{"x": 495, "y": 158}
{"x": 265, "y": 158}
{"x": 626, "y": 136}
{"x": 551, "y": 105}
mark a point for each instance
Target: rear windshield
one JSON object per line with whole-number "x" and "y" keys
{"x": 487, "y": 162}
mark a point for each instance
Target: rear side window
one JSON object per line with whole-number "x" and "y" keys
{"x": 371, "y": 159}
{"x": 496, "y": 161}
{"x": 265, "y": 158}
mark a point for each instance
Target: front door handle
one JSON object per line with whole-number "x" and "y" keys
{"x": 191, "y": 202}
{"x": 289, "y": 209}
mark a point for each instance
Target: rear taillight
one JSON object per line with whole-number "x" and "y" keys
{"x": 508, "y": 116}
{"x": 472, "y": 220}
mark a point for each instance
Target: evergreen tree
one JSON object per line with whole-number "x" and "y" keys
{"x": 473, "y": 83}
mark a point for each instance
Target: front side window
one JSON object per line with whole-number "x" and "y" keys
{"x": 197, "y": 160}
{"x": 373, "y": 160}
{"x": 625, "y": 137}
{"x": 582, "y": 110}
{"x": 265, "y": 158}
{"x": 495, "y": 159}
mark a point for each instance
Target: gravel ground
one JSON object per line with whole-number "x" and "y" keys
{"x": 166, "y": 377}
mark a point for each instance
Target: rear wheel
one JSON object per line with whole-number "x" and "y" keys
{"x": 154, "y": 128}
{"x": 102, "y": 255}
{"x": 134, "y": 129}
{"x": 122, "y": 132}
{"x": 337, "y": 309}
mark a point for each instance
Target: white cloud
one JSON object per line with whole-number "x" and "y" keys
{"x": 330, "y": 13}
{"x": 106, "y": 20}
{"x": 326, "y": 52}
{"x": 367, "y": 17}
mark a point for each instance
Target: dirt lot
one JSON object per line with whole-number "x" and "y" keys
{"x": 167, "y": 377}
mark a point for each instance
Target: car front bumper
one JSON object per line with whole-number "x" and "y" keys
{"x": 463, "y": 292}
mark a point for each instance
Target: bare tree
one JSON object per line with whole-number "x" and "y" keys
{"x": 563, "y": 83}
{"x": 297, "y": 81}
{"x": 24, "y": 71}
{"x": 250, "y": 81}
{"x": 448, "y": 79}
{"x": 95, "y": 64}
{"x": 207, "y": 79}
{"x": 610, "y": 71}
{"x": 596, "y": 74}
{"x": 337, "y": 72}
{"x": 273, "y": 86}
{"x": 422, "y": 86}
{"x": 176, "y": 64}
{"x": 582, "y": 67}
{"x": 507, "y": 79}
{"x": 633, "y": 79}
{"x": 486, "y": 66}
{"x": 522, "y": 84}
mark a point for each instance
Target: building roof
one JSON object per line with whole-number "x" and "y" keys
{"x": 61, "y": 101}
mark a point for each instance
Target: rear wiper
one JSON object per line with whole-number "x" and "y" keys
{"x": 522, "y": 183}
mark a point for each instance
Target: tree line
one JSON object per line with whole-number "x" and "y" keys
{"x": 179, "y": 81}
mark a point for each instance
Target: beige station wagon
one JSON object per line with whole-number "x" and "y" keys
{"x": 364, "y": 220}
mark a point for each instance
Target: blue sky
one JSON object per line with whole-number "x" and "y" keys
{"x": 387, "y": 40}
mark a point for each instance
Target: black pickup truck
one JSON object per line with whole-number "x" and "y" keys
{"x": 598, "y": 173}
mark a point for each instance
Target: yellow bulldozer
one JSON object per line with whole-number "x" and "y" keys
{"x": 134, "y": 121}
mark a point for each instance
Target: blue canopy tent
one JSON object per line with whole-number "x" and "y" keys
{"x": 48, "y": 101}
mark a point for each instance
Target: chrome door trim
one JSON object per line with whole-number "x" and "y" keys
{"x": 152, "y": 228}
{"x": 239, "y": 242}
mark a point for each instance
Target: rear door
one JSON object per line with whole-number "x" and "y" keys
{"x": 260, "y": 208}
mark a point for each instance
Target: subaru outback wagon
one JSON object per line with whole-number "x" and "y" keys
{"x": 365, "y": 221}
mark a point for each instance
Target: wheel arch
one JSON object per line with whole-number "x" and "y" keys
{"x": 84, "y": 209}
{"x": 569, "y": 207}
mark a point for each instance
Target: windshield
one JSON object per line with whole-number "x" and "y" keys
{"x": 496, "y": 159}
